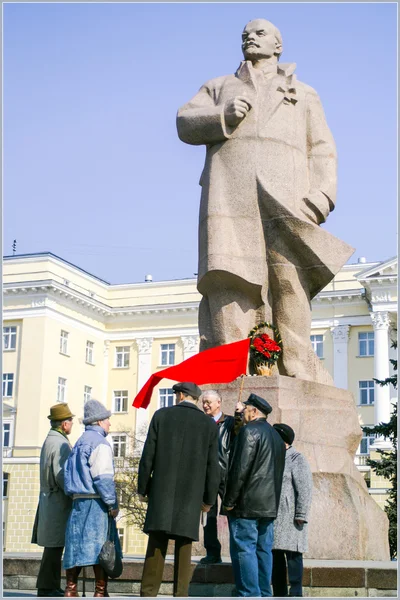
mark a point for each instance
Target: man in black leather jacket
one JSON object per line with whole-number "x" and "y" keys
{"x": 252, "y": 496}
{"x": 212, "y": 401}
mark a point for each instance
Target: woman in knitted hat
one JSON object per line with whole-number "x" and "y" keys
{"x": 89, "y": 479}
{"x": 290, "y": 527}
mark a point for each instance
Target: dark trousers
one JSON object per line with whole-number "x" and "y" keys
{"x": 49, "y": 577}
{"x": 280, "y": 572}
{"x": 154, "y": 564}
{"x": 211, "y": 543}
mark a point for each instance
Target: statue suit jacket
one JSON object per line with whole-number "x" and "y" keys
{"x": 268, "y": 183}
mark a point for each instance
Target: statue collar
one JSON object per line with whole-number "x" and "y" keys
{"x": 246, "y": 69}
{"x": 286, "y": 86}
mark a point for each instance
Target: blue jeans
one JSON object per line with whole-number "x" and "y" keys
{"x": 251, "y": 554}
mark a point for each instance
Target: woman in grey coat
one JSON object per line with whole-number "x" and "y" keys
{"x": 291, "y": 527}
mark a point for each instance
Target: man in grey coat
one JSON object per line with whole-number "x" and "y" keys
{"x": 290, "y": 533}
{"x": 54, "y": 506}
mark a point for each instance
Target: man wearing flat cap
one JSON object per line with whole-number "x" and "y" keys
{"x": 179, "y": 476}
{"x": 54, "y": 506}
{"x": 291, "y": 526}
{"x": 252, "y": 498}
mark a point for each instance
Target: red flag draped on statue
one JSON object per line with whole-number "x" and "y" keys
{"x": 221, "y": 364}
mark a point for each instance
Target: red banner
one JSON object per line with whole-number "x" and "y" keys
{"x": 221, "y": 364}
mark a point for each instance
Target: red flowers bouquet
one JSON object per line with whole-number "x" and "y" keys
{"x": 264, "y": 350}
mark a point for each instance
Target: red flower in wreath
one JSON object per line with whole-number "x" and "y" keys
{"x": 265, "y": 349}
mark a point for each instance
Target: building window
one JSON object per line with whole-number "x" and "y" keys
{"x": 64, "y": 342}
{"x": 87, "y": 393}
{"x": 121, "y": 535}
{"x": 8, "y": 385}
{"x": 367, "y": 391}
{"x": 167, "y": 397}
{"x": 90, "y": 352}
{"x": 120, "y": 401}
{"x": 122, "y": 357}
{"x": 167, "y": 354}
{"x": 6, "y": 435}
{"x": 119, "y": 445}
{"x": 317, "y": 342}
{"x": 9, "y": 338}
{"x": 366, "y": 442}
{"x": 61, "y": 390}
{"x": 122, "y": 496}
{"x": 6, "y": 477}
{"x": 366, "y": 343}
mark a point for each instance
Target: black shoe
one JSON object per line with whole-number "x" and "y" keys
{"x": 44, "y": 593}
{"x": 211, "y": 560}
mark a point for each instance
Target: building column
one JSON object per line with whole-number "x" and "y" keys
{"x": 106, "y": 353}
{"x": 143, "y": 373}
{"x": 381, "y": 324}
{"x": 190, "y": 345}
{"x": 340, "y": 335}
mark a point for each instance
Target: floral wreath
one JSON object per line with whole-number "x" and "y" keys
{"x": 263, "y": 349}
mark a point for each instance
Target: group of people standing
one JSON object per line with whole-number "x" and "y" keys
{"x": 78, "y": 502}
{"x": 190, "y": 458}
{"x": 195, "y": 464}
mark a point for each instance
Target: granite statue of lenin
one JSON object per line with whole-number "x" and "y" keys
{"x": 268, "y": 183}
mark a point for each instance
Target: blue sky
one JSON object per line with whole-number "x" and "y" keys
{"x": 93, "y": 168}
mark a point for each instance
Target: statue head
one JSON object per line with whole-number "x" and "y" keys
{"x": 261, "y": 39}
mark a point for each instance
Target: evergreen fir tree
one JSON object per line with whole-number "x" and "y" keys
{"x": 386, "y": 466}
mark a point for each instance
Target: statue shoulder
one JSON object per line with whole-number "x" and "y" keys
{"x": 217, "y": 82}
{"x": 307, "y": 89}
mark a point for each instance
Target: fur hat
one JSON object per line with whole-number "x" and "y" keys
{"x": 94, "y": 411}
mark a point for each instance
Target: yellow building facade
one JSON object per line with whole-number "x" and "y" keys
{"x": 69, "y": 336}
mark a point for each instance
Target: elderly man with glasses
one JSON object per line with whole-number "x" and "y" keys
{"x": 227, "y": 427}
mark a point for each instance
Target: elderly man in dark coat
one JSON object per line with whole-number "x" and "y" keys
{"x": 180, "y": 475}
{"x": 252, "y": 498}
{"x": 54, "y": 506}
{"x": 291, "y": 526}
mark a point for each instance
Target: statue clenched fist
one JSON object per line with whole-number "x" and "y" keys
{"x": 235, "y": 110}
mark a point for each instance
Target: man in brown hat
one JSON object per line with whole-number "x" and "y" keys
{"x": 54, "y": 506}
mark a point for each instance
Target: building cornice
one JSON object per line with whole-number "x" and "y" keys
{"x": 354, "y": 321}
{"x": 50, "y": 293}
{"x": 376, "y": 271}
{"x": 340, "y": 296}
{"x": 61, "y": 291}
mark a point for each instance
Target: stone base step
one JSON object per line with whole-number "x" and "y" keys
{"x": 321, "y": 578}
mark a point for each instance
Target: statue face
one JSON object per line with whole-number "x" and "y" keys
{"x": 259, "y": 41}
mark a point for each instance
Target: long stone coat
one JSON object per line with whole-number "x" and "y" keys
{"x": 54, "y": 506}
{"x": 295, "y": 503}
{"x": 256, "y": 177}
{"x": 179, "y": 469}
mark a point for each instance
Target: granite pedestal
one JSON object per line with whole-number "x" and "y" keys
{"x": 345, "y": 522}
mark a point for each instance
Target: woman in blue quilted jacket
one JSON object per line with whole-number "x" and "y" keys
{"x": 89, "y": 479}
